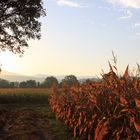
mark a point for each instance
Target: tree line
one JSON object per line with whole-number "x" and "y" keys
{"x": 70, "y": 80}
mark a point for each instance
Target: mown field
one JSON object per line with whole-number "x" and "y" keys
{"x": 25, "y": 115}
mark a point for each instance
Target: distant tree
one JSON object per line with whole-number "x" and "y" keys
{"x": 70, "y": 80}
{"x": 88, "y": 80}
{"x": 49, "y": 81}
{"x": 31, "y": 84}
{"x": 4, "y": 83}
{"x": 38, "y": 84}
{"x": 22, "y": 84}
{"x": 91, "y": 80}
{"x": 19, "y": 23}
{"x": 16, "y": 84}
{"x": 28, "y": 84}
{"x": 12, "y": 84}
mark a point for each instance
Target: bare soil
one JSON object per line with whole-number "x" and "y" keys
{"x": 23, "y": 124}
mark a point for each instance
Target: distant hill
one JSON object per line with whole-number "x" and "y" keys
{"x": 14, "y": 77}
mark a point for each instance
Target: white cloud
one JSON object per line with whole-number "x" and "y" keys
{"x": 128, "y": 13}
{"x": 137, "y": 25}
{"x": 68, "y": 3}
{"x": 126, "y": 3}
{"x": 138, "y": 34}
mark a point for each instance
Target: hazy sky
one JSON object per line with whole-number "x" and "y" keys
{"x": 78, "y": 37}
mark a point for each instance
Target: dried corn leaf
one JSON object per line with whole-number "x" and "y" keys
{"x": 101, "y": 130}
{"x": 137, "y": 102}
{"x": 110, "y": 66}
{"x": 74, "y": 132}
{"x": 123, "y": 101}
{"x": 126, "y": 73}
{"x": 137, "y": 127}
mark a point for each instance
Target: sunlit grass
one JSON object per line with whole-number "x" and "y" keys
{"x": 24, "y": 96}
{"x": 24, "y": 90}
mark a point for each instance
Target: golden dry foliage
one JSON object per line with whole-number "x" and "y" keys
{"x": 109, "y": 110}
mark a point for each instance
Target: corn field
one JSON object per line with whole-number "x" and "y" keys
{"x": 108, "y": 110}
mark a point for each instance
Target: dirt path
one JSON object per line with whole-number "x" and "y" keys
{"x": 23, "y": 124}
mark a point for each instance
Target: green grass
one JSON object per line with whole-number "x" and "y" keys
{"x": 24, "y": 99}
{"x": 57, "y": 128}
